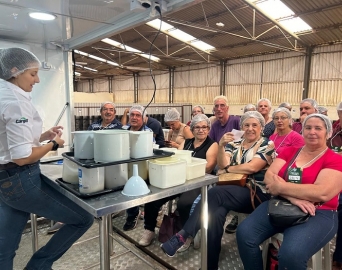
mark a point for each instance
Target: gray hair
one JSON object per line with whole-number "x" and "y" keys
{"x": 252, "y": 114}
{"x": 249, "y": 107}
{"x": 311, "y": 101}
{"x": 283, "y": 110}
{"x": 324, "y": 118}
{"x": 284, "y": 105}
{"x": 105, "y": 103}
{"x": 199, "y": 118}
{"x": 221, "y": 97}
{"x": 138, "y": 108}
{"x": 14, "y": 61}
{"x": 264, "y": 99}
{"x": 198, "y": 106}
{"x": 172, "y": 115}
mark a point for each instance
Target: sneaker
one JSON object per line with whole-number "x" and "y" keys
{"x": 147, "y": 238}
{"x": 197, "y": 240}
{"x": 130, "y": 223}
{"x": 186, "y": 245}
{"x": 55, "y": 227}
{"x": 231, "y": 227}
{"x": 171, "y": 246}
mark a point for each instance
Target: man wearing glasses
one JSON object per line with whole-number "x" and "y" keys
{"x": 225, "y": 122}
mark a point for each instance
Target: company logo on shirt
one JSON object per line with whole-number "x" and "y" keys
{"x": 21, "y": 120}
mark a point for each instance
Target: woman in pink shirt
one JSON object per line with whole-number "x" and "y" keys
{"x": 284, "y": 137}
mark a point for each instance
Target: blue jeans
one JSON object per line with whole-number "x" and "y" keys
{"x": 221, "y": 200}
{"x": 300, "y": 243}
{"x": 337, "y": 256}
{"x": 27, "y": 191}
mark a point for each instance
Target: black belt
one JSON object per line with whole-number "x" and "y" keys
{"x": 9, "y": 165}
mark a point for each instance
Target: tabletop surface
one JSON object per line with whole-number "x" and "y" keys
{"x": 115, "y": 201}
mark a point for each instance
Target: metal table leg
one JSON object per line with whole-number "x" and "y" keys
{"x": 34, "y": 232}
{"x": 104, "y": 246}
{"x": 204, "y": 227}
{"x": 110, "y": 236}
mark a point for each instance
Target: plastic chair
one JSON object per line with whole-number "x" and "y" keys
{"x": 316, "y": 259}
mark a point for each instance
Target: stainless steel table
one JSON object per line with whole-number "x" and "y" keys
{"x": 104, "y": 205}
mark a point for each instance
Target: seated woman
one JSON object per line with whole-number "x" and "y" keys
{"x": 202, "y": 147}
{"x": 320, "y": 171}
{"x": 285, "y": 136}
{"x": 179, "y": 131}
{"x": 251, "y": 156}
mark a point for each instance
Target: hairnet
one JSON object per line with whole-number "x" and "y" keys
{"x": 172, "y": 115}
{"x": 322, "y": 109}
{"x": 137, "y": 108}
{"x": 199, "y": 118}
{"x": 339, "y": 106}
{"x": 285, "y": 105}
{"x": 311, "y": 101}
{"x": 283, "y": 110}
{"x": 14, "y": 61}
{"x": 198, "y": 106}
{"x": 266, "y": 100}
{"x": 252, "y": 114}
{"x": 105, "y": 103}
{"x": 324, "y": 118}
{"x": 249, "y": 107}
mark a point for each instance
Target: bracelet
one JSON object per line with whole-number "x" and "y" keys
{"x": 226, "y": 168}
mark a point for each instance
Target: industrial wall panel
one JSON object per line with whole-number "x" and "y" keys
{"x": 161, "y": 80}
{"x": 283, "y": 92}
{"x": 326, "y": 65}
{"x": 326, "y": 92}
{"x": 284, "y": 70}
{"x": 121, "y": 83}
{"x": 161, "y": 96}
{"x": 126, "y": 96}
{"x": 244, "y": 73}
{"x": 196, "y": 95}
{"x": 242, "y": 94}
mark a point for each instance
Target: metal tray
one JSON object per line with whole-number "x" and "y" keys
{"x": 90, "y": 163}
{"x": 73, "y": 188}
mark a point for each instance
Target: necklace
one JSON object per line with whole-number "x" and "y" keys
{"x": 281, "y": 141}
{"x": 310, "y": 161}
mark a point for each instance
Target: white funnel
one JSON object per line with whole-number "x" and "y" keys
{"x": 135, "y": 186}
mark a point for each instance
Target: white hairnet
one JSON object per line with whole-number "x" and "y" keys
{"x": 322, "y": 109}
{"x": 199, "y": 118}
{"x": 105, "y": 103}
{"x": 324, "y": 118}
{"x": 138, "y": 108}
{"x": 172, "y": 115}
{"x": 14, "y": 61}
{"x": 252, "y": 114}
{"x": 339, "y": 106}
{"x": 283, "y": 110}
{"x": 249, "y": 107}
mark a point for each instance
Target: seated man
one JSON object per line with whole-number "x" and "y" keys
{"x": 107, "y": 120}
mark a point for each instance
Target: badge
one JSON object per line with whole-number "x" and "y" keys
{"x": 295, "y": 175}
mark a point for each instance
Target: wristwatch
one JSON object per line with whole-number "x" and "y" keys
{"x": 55, "y": 145}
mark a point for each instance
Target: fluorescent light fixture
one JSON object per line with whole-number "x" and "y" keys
{"x": 96, "y": 58}
{"x": 277, "y": 10}
{"x": 129, "y": 49}
{"x": 43, "y": 16}
{"x": 91, "y": 69}
{"x": 181, "y": 35}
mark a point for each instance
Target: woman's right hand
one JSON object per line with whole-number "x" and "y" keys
{"x": 226, "y": 138}
{"x": 305, "y": 206}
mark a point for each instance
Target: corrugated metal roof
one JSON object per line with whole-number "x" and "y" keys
{"x": 233, "y": 40}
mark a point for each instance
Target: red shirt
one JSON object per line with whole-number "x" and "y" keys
{"x": 329, "y": 160}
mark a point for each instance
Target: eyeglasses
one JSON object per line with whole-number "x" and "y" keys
{"x": 282, "y": 118}
{"x": 199, "y": 128}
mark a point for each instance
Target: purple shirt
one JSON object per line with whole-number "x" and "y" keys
{"x": 297, "y": 126}
{"x": 217, "y": 131}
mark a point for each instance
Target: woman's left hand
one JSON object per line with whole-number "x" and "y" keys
{"x": 274, "y": 187}
{"x": 305, "y": 206}
{"x": 220, "y": 172}
{"x": 173, "y": 144}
